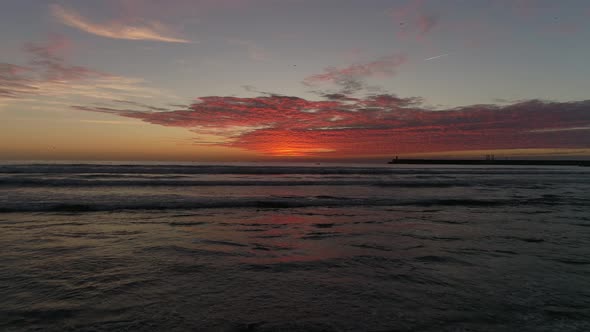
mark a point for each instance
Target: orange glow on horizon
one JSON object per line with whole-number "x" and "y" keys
{"x": 286, "y": 143}
{"x": 288, "y": 150}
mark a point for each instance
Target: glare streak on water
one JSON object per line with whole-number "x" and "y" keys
{"x": 294, "y": 248}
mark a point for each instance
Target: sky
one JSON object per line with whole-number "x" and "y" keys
{"x": 259, "y": 80}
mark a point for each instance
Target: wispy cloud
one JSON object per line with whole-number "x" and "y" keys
{"x": 351, "y": 79}
{"x": 142, "y": 105}
{"x": 49, "y": 79}
{"x": 46, "y": 70}
{"x": 548, "y": 130}
{"x": 12, "y": 81}
{"x": 151, "y": 30}
{"x": 426, "y": 23}
{"x": 413, "y": 19}
{"x": 110, "y": 122}
{"x": 47, "y": 60}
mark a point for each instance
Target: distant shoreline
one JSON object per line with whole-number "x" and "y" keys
{"x": 585, "y": 163}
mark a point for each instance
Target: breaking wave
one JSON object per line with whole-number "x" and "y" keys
{"x": 155, "y": 203}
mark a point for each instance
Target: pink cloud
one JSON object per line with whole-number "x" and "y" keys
{"x": 48, "y": 74}
{"x": 47, "y": 60}
{"x": 413, "y": 19}
{"x": 385, "y": 66}
{"x": 375, "y": 125}
{"x": 13, "y": 82}
{"x": 46, "y": 67}
{"x": 351, "y": 79}
{"x": 150, "y": 30}
{"x": 426, "y": 23}
{"x": 404, "y": 12}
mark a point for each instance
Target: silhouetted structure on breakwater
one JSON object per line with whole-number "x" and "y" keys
{"x": 490, "y": 160}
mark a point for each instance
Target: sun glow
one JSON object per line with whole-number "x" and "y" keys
{"x": 296, "y": 150}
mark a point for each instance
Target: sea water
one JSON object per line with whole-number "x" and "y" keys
{"x": 293, "y": 247}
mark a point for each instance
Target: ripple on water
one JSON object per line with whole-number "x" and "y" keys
{"x": 219, "y": 243}
{"x": 438, "y": 259}
{"x": 321, "y": 235}
{"x": 181, "y": 250}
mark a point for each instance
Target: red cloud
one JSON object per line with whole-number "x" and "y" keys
{"x": 376, "y": 125}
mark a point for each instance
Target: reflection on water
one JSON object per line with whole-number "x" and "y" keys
{"x": 296, "y": 269}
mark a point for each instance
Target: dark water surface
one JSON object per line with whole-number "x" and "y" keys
{"x": 294, "y": 248}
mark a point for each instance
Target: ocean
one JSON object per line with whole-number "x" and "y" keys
{"x": 293, "y": 247}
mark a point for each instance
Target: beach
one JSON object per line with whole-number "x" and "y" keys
{"x": 293, "y": 247}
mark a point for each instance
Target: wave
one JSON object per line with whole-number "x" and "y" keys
{"x": 261, "y": 170}
{"x": 266, "y": 203}
{"x": 52, "y": 182}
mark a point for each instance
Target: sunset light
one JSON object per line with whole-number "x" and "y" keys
{"x": 294, "y": 165}
{"x": 402, "y": 77}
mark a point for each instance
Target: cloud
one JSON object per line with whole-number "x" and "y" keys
{"x": 53, "y": 67}
{"x": 48, "y": 79}
{"x": 426, "y": 23}
{"x": 107, "y": 122}
{"x": 45, "y": 67}
{"x": 351, "y": 79}
{"x": 560, "y": 129}
{"x": 12, "y": 82}
{"x": 142, "y": 105}
{"x": 375, "y": 125}
{"x": 151, "y": 30}
{"x": 413, "y": 19}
